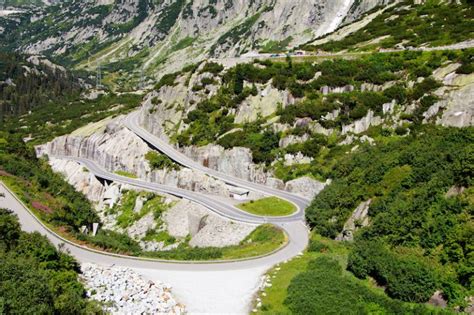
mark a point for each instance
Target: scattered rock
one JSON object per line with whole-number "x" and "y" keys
{"x": 123, "y": 291}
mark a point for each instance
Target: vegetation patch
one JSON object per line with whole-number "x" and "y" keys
{"x": 317, "y": 283}
{"x": 271, "y": 206}
{"x": 407, "y": 179}
{"x": 35, "y": 277}
{"x": 126, "y": 174}
{"x": 263, "y": 240}
{"x": 159, "y": 161}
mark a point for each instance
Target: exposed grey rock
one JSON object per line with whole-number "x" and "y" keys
{"x": 454, "y": 191}
{"x": 206, "y": 228}
{"x": 459, "y": 108}
{"x": 139, "y": 228}
{"x": 359, "y": 218}
{"x": 389, "y": 108}
{"x": 438, "y": 300}
{"x": 362, "y": 124}
{"x": 305, "y": 186}
{"x": 264, "y": 104}
{"x": 299, "y": 158}
{"x": 292, "y": 139}
{"x": 138, "y": 204}
{"x": 119, "y": 149}
{"x": 236, "y": 162}
{"x": 79, "y": 177}
{"x": 342, "y": 89}
{"x": 456, "y": 107}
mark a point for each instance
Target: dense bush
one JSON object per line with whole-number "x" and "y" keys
{"x": 184, "y": 252}
{"x": 212, "y": 67}
{"x": 112, "y": 241}
{"x": 406, "y": 276}
{"x": 261, "y": 143}
{"x": 159, "y": 161}
{"x": 407, "y": 180}
{"x": 34, "y": 276}
{"x": 30, "y": 89}
{"x": 324, "y": 289}
{"x": 69, "y": 114}
{"x": 167, "y": 80}
{"x": 70, "y": 208}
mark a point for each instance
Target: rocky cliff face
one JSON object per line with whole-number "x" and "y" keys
{"x": 118, "y": 149}
{"x": 456, "y": 105}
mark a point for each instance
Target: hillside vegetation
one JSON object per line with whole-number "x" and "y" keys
{"x": 25, "y": 85}
{"x": 394, "y": 78}
{"x": 415, "y": 174}
{"x": 35, "y": 277}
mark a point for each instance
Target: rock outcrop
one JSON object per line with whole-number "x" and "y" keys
{"x": 205, "y": 228}
{"x": 306, "y": 187}
{"x": 358, "y": 219}
{"x": 123, "y": 291}
{"x": 456, "y": 107}
{"x": 80, "y": 178}
{"x": 264, "y": 104}
{"x": 362, "y": 124}
{"x": 236, "y": 162}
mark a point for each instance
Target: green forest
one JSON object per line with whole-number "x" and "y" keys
{"x": 418, "y": 233}
{"x": 35, "y": 277}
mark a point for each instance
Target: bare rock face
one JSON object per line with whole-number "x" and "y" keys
{"x": 359, "y": 218}
{"x": 362, "y": 124}
{"x": 305, "y": 186}
{"x": 236, "y": 162}
{"x": 292, "y": 139}
{"x": 119, "y": 149}
{"x": 138, "y": 229}
{"x": 456, "y": 107}
{"x": 265, "y": 103}
{"x": 459, "y": 106}
{"x": 359, "y": 7}
{"x": 205, "y": 227}
{"x": 80, "y": 178}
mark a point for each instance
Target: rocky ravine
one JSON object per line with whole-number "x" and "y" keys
{"x": 123, "y": 291}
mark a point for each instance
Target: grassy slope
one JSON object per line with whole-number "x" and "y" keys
{"x": 281, "y": 276}
{"x": 370, "y": 298}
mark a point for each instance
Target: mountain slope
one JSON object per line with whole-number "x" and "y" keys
{"x": 406, "y": 24}
{"x": 126, "y": 35}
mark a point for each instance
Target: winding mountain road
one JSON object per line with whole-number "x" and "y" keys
{"x": 293, "y": 225}
{"x": 132, "y": 123}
